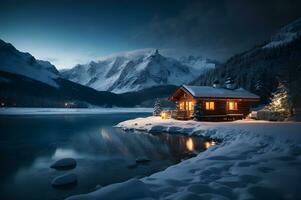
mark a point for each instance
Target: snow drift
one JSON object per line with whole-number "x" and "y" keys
{"x": 256, "y": 160}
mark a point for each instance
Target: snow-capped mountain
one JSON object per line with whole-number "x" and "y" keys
{"x": 16, "y": 62}
{"x": 135, "y": 70}
{"x": 285, "y": 35}
{"x": 198, "y": 62}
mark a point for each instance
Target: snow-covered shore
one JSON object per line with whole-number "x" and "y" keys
{"x": 256, "y": 160}
{"x": 60, "y": 111}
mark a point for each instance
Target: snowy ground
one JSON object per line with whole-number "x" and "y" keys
{"x": 256, "y": 160}
{"x": 59, "y": 111}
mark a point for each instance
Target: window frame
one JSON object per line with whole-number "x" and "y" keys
{"x": 209, "y": 105}
{"x": 182, "y": 106}
{"x": 235, "y": 105}
{"x": 190, "y": 105}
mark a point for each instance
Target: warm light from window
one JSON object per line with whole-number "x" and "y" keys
{"x": 210, "y": 105}
{"x": 232, "y": 105}
{"x": 163, "y": 115}
{"x": 190, "y": 106}
{"x": 182, "y": 106}
{"x": 209, "y": 144}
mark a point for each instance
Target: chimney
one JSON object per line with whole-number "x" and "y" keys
{"x": 229, "y": 84}
{"x": 216, "y": 84}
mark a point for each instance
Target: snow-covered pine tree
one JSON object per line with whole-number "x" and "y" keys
{"x": 157, "y": 108}
{"x": 281, "y": 101}
{"x": 198, "y": 112}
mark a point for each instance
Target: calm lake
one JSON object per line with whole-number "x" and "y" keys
{"x": 104, "y": 154}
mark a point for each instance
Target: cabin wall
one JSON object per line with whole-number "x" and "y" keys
{"x": 186, "y": 98}
{"x": 219, "y": 107}
{"x": 243, "y": 108}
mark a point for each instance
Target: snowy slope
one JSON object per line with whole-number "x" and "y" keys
{"x": 197, "y": 62}
{"x": 135, "y": 70}
{"x": 285, "y": 35}
{"x": 16, "y": 62}
{"x": 255, "y": 160}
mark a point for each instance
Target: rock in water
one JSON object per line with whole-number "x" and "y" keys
{"x": 64, "y": 180}
{"x": 65, "y": 163}
{"x": 142, "y": 160}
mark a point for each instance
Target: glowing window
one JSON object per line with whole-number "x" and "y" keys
{"x": 190, "y": 106}
{"x": 181, "y": 105}
{"x": 210, "y": 105}
{"x": 232, "y": 105}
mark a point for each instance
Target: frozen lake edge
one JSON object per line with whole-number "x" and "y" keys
{"x": 256, "y": 160}
{"x": 66, "y": 111}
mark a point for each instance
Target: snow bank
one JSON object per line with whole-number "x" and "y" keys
{"x": 256, "y": 160}
{"x": 59, "y": 111}
{"x": 131, "y": 189}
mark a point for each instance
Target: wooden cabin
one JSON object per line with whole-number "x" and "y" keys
{"x": 216, "y": 103}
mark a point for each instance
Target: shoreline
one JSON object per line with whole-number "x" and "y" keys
{"x": 11, "y": 111}
{"x": 243, "y": 165}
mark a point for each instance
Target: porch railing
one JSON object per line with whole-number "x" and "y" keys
{"x": 180, "y": 114}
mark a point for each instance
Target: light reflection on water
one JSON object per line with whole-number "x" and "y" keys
{"x": 189, "y": 144}
{"x": 103, "y": 153}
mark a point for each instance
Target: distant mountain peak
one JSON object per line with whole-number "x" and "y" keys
{"x": 21, "y": 63}
{"x": 135, "y": 70}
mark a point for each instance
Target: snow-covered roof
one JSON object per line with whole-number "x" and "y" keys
{"x": 208, "y": 91}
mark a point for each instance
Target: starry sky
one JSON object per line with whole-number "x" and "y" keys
{"x": 69, "y": 32}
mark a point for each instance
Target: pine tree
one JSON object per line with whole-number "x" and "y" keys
{"x": 281, "y": 101}
{"x": 157, "y": 108}
{"x": 198, "y": 112}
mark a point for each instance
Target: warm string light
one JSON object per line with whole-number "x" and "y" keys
{"x": 163, "y": 115}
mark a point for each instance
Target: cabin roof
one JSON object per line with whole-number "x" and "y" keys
{"x": 208, "y": 91}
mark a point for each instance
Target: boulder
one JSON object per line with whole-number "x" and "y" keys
{"x": 63, "y": 164}
{"x": 64, "y": 180}
{"x": 142, "y": 160}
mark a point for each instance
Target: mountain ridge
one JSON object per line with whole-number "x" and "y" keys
{"x": 15, "y": 61}
{"x": 135, "y": 70}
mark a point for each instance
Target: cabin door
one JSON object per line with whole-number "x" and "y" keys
{"x": 189, "y": 108}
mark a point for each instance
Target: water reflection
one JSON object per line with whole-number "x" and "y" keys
{"x": 103, "y": 153}
{"x": 208, "y": 144}
{"x": 189, "y": 144}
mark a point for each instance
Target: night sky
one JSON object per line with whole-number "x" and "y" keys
{"x": 70, "y": 32}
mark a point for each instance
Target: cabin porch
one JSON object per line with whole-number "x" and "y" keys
{"x": 212, "y": 110}
{"x": 183, "y": 115}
